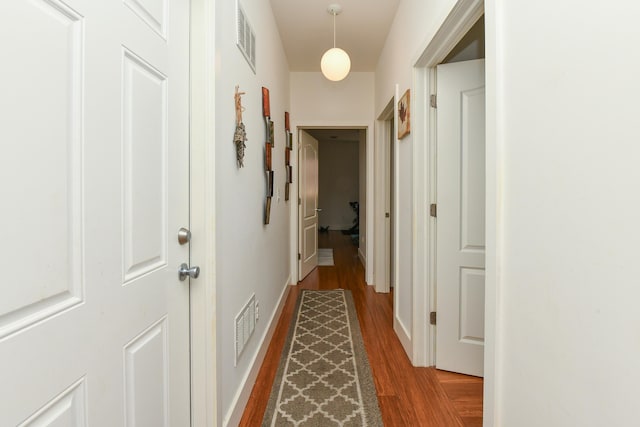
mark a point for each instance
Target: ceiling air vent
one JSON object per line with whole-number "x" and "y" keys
{"x": 246, "y": 39}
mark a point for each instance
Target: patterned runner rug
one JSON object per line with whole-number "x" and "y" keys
{"x": 324, "y": 378}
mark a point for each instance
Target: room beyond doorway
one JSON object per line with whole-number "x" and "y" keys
{"x": 342, "y": 182}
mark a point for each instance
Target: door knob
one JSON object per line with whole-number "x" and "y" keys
{"x": 184, "y": 236}
{"x": 185, "y": 271}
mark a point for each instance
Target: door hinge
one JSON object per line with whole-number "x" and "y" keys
{"x": 433, "y": 210}
{"x": 432, "y": 318}
{"x": 433, "y": 100}
{"x": 299, "y": 201}
{"x": 299, "y": 257}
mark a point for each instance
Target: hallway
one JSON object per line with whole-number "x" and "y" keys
{"x": 407, "y": 396}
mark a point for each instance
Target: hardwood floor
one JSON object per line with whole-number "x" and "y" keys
{"x": 407, "y": 396}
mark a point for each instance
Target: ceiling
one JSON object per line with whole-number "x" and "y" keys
{"x": 335, "y": 134}
{"x": 306, "y": 30}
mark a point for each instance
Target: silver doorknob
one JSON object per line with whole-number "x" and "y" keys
{"x": 184, "y": 236}
{"x": 186, "y": 271}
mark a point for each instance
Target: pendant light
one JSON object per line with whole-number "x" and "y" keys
{"x": 335, "y": 63}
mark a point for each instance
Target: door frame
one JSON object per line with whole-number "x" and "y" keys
{"x": 369, "y": 206}
{"x": 381, "y": 157}
{"x": 204, "y": 396}
{"x": 462, "y": 17}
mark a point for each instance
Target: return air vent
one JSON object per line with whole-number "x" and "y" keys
{"x": 246, "y": 39}
{"x": 245, "y": 324}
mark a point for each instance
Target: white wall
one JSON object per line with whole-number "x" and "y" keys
{"x": 317, "y": 102}
{"x": 337, "y": 183}
{"x": 567, "y": 143}
{"x": 251, "y": 258}
{"x": 415, "y": 23}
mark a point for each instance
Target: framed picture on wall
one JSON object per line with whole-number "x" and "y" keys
{"x": 404, "y": 116}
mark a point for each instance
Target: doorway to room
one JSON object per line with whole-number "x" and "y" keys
{"x": 468, "y": 281}
{"x": 332, "y": 191}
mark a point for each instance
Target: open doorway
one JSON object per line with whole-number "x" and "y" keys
{"x": 460, "y": 199}
{"x": 460, "y": 38}
{"x": 385, "y": 209}
{"x": 340, "y": 191}
{"x": 390, "y": 203}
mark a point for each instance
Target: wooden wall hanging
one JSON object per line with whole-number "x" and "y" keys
{"x": 268, "y": 152}
{"x": 288, "y": 146}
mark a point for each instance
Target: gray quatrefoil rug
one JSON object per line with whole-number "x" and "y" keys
{"x": 324, "y": 378}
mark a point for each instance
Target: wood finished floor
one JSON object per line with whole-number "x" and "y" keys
{"x": 408, "y": 396}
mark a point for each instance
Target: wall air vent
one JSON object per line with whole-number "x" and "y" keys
{"x": 246, "y": 38}
{"x": 245, "y": 324}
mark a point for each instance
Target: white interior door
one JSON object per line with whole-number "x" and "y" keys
{"x": 308, "y": 207}
{"x": 460, "y": 265}
{"x": 94, "y": 323}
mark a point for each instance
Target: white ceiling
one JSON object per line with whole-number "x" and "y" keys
{"x": 335, "y": 134}
{"x": 306, "y": 30}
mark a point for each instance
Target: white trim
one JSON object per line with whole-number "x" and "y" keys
{"x": 363, "y": 258}
{"x": 204, "y": 396}
{"x": 381, "y": 245}
{"x": 495, "y": 148}
{"x": 241, "y": 397}
{"x": 369, "y": 247}
{"x": 421, "y": 248}
{"x": 402, "y": 333}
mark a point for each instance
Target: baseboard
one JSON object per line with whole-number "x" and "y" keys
{"x": 363, "y": 259}
{"x": 404, "y": 337}
{"x": 338, "y": 227}
{"x": 242, "y": 397}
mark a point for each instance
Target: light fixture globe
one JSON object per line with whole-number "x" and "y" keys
{"x": 335, "y": 64}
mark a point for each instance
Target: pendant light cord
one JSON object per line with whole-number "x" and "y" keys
{"x": 334, "y": 30}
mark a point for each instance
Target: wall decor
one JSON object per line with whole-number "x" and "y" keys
{"x": 270, "y": 184}
{"x": 271, "y": 132}
{"x": 404, "y": 115}
{"x": 240, "y": 135}
{"x": 266, "y": 107}
{"x": 268, "y": 153}
{"x": 267, "y": 211}
{"x": 287, "y": 155}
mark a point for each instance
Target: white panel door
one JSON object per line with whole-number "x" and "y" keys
{"x": 308, "y": 207}
{"x": 94, "y": 323}
{"x": 460, "y": 222}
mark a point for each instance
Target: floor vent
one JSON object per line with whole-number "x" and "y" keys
{"x": 246, "y": 38}
{"x": 245, "y": 324}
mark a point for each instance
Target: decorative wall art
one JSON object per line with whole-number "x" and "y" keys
{"x": 240, "y": 135}
{"x": 268, "y": 153}
{"x": 404, "y": 115}
{"x": 287, "y": 155}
